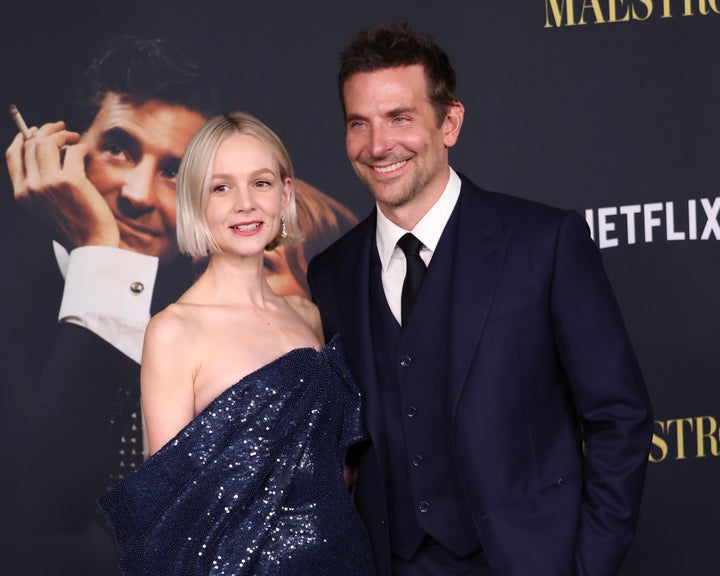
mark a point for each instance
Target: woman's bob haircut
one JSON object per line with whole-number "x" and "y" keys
{"x": 193, "y": 181}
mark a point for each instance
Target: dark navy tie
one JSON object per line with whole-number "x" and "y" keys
{"x": 414, "y": 274}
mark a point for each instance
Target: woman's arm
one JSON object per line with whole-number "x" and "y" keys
{"x": 166, "y": 377}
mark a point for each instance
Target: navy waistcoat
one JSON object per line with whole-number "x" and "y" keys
{"x": 423, "y": 486}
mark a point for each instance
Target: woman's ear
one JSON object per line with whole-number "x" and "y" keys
{"x": 287, "y": 192}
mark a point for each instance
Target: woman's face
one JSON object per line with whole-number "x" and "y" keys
{"x": 278, "y": 273}
{"x": 247, "y": 195}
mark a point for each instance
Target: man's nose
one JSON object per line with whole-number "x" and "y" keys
{"x": 380, "y": 141}
{"x": 138, "y": 188}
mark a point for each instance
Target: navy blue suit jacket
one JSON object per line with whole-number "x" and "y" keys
{"x": 551, "y": 421}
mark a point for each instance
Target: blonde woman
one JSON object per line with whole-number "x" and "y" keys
{"x": 248, "y": 414}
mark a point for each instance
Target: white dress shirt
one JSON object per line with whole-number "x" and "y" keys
{"x": 108, "y": 291}
{"x": 428, "y": 230}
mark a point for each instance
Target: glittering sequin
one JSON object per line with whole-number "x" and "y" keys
{"x": 253, "y": 485}
{"x": 126, "y": 422}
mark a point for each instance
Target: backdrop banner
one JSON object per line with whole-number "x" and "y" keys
{"x": 608, "y": 107}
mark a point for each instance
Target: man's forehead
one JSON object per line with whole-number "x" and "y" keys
{"x": 401, "y": 82}
{"x": 162, "y": 123}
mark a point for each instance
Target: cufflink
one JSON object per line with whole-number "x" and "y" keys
{"x": 137, "y": 287}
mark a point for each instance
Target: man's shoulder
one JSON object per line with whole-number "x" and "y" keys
{"x": 510, "y": 209}
{"x": 350, "y": 244}
{"x": 505, "y": 200}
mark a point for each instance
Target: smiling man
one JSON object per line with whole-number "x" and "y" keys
{"x": 133, "y": 157}
{"x": 107, "y": 192}
{"x": 509, "y": 420}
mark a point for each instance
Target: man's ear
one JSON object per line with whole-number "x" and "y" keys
{"x": 452, "y": 123}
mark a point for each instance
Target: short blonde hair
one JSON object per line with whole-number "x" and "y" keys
{"x": 193, "y": 181}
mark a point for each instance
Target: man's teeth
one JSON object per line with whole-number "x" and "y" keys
{"x": 246, "y": 227}
{"x": 383, "y": 169}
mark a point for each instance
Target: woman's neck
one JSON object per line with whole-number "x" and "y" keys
{"x": 234, "y": 281}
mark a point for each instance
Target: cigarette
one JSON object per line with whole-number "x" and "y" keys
{"x": 16, "y": 116}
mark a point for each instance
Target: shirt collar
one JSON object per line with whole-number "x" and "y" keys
{"x": 428, "y": 230}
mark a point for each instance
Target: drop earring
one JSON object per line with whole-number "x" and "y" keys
{"x": 283, "y": 228}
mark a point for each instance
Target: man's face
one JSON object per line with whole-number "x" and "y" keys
{"x": 133, "y": 157}
{"x": 393, "y": 139}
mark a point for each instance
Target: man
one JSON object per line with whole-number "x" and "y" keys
{"x": 75, "y": 309}
{"x": 508, "y": 417}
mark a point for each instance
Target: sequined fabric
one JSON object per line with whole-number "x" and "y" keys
{"x": 253, "y": 485}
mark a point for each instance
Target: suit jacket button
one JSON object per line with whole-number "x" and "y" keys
{"x": 424, "y": 506}
{"x": 405, "y": 361}
{"x": 417, "y": 460}
{"x": 411, "y": 411}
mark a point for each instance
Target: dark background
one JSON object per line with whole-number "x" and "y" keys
{"x": 584, "y": 117}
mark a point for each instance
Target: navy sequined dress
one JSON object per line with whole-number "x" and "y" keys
{"x": 253, "y": 485}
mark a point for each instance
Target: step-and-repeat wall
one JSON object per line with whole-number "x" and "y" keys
{"x": 609, "y": 107}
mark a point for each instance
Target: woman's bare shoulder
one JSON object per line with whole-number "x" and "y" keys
{"x": 307, "y": 310}
{"x": 173, "y": 325}
{"x": 302, "y": 305}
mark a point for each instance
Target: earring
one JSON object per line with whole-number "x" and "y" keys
{"x": 283, "y": 228}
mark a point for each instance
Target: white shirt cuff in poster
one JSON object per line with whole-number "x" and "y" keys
{"x": 108, "y": 291}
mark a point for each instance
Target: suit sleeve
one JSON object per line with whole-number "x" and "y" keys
{"x": 323, "y": 294}
{"x": 610, "y": 397}
{"x": 69, "y": 423}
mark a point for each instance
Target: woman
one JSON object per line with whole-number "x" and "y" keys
{"x": 243, "y": 478}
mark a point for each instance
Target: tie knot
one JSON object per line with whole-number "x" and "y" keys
{"x": 410, "y": 245}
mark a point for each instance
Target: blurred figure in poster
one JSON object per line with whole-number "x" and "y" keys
{"x": 322, "y": 220}
{"x": 509, "y": 421}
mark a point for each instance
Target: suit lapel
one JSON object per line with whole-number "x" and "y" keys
{"x": 481, "y": 243}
